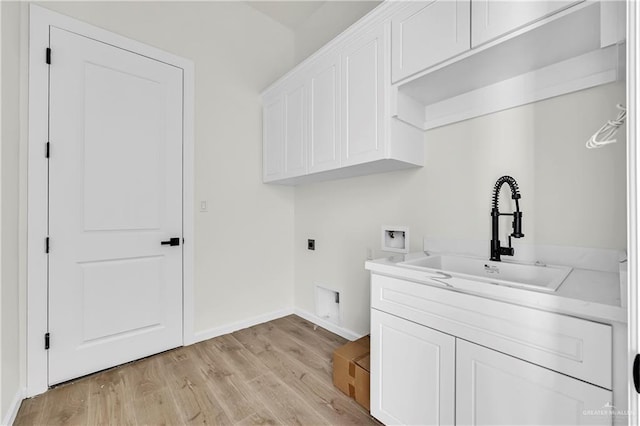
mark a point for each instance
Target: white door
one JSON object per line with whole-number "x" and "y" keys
{"x": 426, "y": 33}
{"x": 412, "y": 372}
{"x": 115, "y": 191}
{"x": 363, "y": 98}
{"x": 497, "y": 389}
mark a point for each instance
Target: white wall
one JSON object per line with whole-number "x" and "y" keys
{"x": 237, "y": 51}
{"x": 328, "y": 21}
{"x": 570, "y": 195}
{"x": 10, "y": 136}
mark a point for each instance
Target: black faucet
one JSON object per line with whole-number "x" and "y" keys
{"x": 496, "y": 250}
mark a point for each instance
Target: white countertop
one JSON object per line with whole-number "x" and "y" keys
{"x": 585, "y": 293}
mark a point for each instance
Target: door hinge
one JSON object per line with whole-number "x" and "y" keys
{"x": 46, "y": 341}
{"x": 46, "y": 245}
{"x": 49, "y": 55}
{"x": 47, "y": 150}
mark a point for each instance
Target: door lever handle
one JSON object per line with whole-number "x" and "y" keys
{"x": 175, "y": 241}
{"x": 636, "y": 372}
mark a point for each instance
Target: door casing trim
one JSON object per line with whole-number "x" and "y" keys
{"x": 40, "y": 19}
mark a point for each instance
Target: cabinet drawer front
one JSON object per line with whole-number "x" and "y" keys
{"x": 572, "y": 346}
{"x": 426, "y": 33}
{"x": 496, "y": 389}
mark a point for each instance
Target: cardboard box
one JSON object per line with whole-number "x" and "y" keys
{"x": 351, "y": 370}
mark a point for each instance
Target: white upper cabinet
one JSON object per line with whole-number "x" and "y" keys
{"x": 324, "y": 115}
{"x": 363, "y": 98}
{"x": 295, "y": 136}
{"x": 330, "y": 117}
{"x": 359, "y": 104}
{"x": 521, "y": 52}
{"x": 428, "y": 32}
{"x": 494, "y": 18}
{"x": 273, "y": 139}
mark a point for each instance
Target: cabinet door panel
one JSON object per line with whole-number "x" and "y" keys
{"x": 363, "y": 99}
{"x": 324, "y": 116}
{"x": 427, "y": 33}
{"x": 496, "y": 389}
{"x": 273, "y": 140}
{"x": 412, "y": 372}
{"x": 295, "y": 140}
{"x": 494, "y": 18}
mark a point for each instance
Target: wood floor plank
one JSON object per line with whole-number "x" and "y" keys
{"x": 238, "y": 357}
{"x": 271, "y": 374}
{"x": 226, "y": 384}
{"x": 330, "y": 337}
{"x": 265, "y": 337}
{"x": 196, "y": 403}
{"x": 67, "y": 404}
{"x": 303, "y": 353}
{"x": 108, "y": 399}
{"x": 315, "y": 387}
{"x": 259, "y": 418}
{"x": 286, "y": 405}
{"x": 144, "y": 377}
{"x": 30, "y": 411}
{"x": 309, "y": 337}
{"x": 157, "y": 407}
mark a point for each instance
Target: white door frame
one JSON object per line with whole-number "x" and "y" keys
{"x": 37, "y": 316}
{"x": 633, "y": 183}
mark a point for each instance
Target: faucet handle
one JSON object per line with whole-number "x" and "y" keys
{"x": 517, "y": 225}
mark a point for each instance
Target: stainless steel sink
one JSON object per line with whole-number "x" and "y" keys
{"x": 537, "y": 276}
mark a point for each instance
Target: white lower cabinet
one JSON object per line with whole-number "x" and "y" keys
{"x": 496, "y": 389}
{"x": 421, "y": 376}
{"x": 412, "y": 372}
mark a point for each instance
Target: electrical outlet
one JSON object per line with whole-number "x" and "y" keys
{"x": 369, "y": 254}
{"x": 311, "y": 244}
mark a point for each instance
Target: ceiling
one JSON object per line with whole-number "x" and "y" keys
{"x": 291, "y": 14}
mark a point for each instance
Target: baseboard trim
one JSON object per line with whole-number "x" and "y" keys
{"x": 270, "y": 316}
{"x": 340, "y": 331}
{"x": 10, "y": 417}
{"x": 239, "y": 325}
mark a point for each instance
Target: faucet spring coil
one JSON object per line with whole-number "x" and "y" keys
{"x": 515, "y": 192}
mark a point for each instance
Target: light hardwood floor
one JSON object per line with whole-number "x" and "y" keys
{"x": 270, "y": 374}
